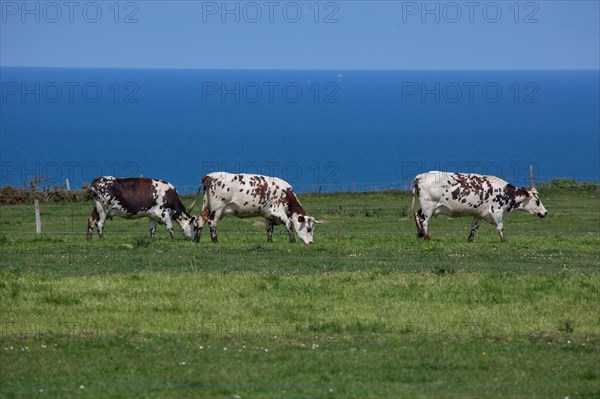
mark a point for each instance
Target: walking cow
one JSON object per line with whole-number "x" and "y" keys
{"x": 248, "y": 195}
{"x": 133, "y": 198}
{"x": 483, "y": 197}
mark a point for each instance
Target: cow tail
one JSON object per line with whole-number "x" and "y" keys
{"x": 193, "y": 204}
{"x": 415, "y": 191}
{"x": 202, "y": 184}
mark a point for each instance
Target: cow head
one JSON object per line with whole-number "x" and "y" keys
{"x": 532, "y": 204}
{"x": 305, "y": 227}
{"x": 189, "y": 227}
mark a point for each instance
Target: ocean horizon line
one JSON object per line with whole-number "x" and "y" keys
{"x": 308, "y": 69}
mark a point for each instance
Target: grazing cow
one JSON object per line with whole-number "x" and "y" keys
{"x": 247, "y": 195}
{"x": 483, "y": 197}
{"x": 133, "y": 198}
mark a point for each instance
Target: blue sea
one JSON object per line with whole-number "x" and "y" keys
{"x": 320, "y": 130}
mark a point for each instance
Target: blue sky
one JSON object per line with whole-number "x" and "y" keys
{"x": 302, "y": 34}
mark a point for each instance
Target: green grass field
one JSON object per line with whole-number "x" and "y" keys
{"x": 375, "y": 314}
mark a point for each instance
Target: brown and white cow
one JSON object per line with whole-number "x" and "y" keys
{"x": 483, "y": 197}
{"x": 133, "y": 198}
{"x": 248, "y": 195}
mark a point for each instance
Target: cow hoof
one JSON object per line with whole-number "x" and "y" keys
{"x": 426, "y": 237}
{"x": 470, "y": 239}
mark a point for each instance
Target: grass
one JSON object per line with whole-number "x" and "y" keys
{"x": 379, "y": 314}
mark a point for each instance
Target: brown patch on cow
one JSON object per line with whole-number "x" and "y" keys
{"x": 515, "y": 196}
{"x": 456, "y": 193}
{"x": 261, "y": 190}
{"x": 489, "y": 190}
{"x": 514, "y": 192}
{"x": 134, "y": 194}
{"x": 205, "y": 213}
{"x": 173, "y": 202}
{"x": 293, "y": 204}
{"x": 471, "y": 184}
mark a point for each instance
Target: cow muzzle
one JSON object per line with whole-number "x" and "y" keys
{"x": 542, "y": 215}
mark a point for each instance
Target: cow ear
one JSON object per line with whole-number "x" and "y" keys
{"x": 301, "y": 219}
{"x": 525, "y": 191}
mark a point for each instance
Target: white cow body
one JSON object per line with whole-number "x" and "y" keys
{"x": 483, "y": 197}
{"x": 248, "y": 195}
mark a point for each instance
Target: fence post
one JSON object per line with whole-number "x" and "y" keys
{"x": 38, "y": 219}
{"x": 68, "y": 184}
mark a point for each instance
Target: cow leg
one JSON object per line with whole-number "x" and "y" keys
{"x": 152, "y": 224}
{"x": 213, "y": 221}
{"x": 102, "y": 215}
{"x": 419, "y": 222}
{"x": 92, "y": 222}
{"x": 269, "y": 230}
{"x": 474, "y": 228}
{"x": 169, "y": 224}
{"x": 290, "y": 228}
{"x": 203, "y": 219}
{"x": 496, "y": 218}
{"x": 427, "y": 214}
{"x": 500, "y": 228}
{"x": 422, "y": 221}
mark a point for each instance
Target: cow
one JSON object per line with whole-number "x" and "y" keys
{"x": 483, "y": 197}
{"x": 133, "y": 198}
{"x": 249, "y": 195}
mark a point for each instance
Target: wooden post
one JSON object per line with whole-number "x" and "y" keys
{"x": 531, "y": 176}
{"x": 38, "y": 219}
{"x": 68, "y": 184}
